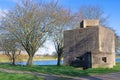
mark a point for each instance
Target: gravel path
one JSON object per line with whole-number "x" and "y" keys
{"x": 110, "y": 76}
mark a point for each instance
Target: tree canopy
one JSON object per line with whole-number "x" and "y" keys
{"x": 30, "y": 23}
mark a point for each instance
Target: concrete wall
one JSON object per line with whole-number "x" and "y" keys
{"x": 97, "y": 60}
{"x": 90, "y": 46}
{"x": 96, "y": 40}
{"x": 79, "y": 41}
{"x": 106, "y": 40}
{"x": 89, "y": 23}
{"x": 69, "y": 42}
{"x": 106, "y": 49}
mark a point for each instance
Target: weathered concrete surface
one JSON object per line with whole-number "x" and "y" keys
{"x": 107, "y": 43}
{"x": 89, "y": 47}
{"x": 106, "y": 49}
{"x": 89, "y": 23}
{"x": 79, "y": 41}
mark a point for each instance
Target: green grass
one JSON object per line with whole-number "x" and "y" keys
{"x": 11, "y": 76}
{"x": 63, "y": 70}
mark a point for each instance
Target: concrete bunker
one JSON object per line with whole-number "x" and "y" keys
{"x": 91, "y": 46}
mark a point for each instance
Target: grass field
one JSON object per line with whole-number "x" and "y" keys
{"x": 63, "y": 70}
{"x": 11, "y": 76}
{"x": 24, "y": 57}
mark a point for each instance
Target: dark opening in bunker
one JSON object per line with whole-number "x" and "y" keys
{"x": 104, "y": 59}
{"x": 82, "y": 61}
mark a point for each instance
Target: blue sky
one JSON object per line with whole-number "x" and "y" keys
{"x": 110, "y": 7}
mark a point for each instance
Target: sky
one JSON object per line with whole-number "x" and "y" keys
{"x": 110, "y": 8}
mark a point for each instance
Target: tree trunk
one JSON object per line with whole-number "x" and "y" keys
{"x": 59, "y": 59}
{"x": 13, "y": 57}
{"x": 13, "y": 62}
{"x": 29, "y": 62}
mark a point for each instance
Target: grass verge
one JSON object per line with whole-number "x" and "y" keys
{"x": 11, "y": 76}
{"x": 63, "y": 70}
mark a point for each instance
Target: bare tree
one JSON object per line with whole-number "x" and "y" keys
{"x": 64, "y": 21}
{"x": 11, "y": 48}
{"x": 30, "y": 23}
{"x": 91, "y": 12}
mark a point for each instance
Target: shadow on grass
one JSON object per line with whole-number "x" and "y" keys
{"x": 51, "y": 70}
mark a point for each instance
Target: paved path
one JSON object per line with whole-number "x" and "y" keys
{"x": 110, "y": 76}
